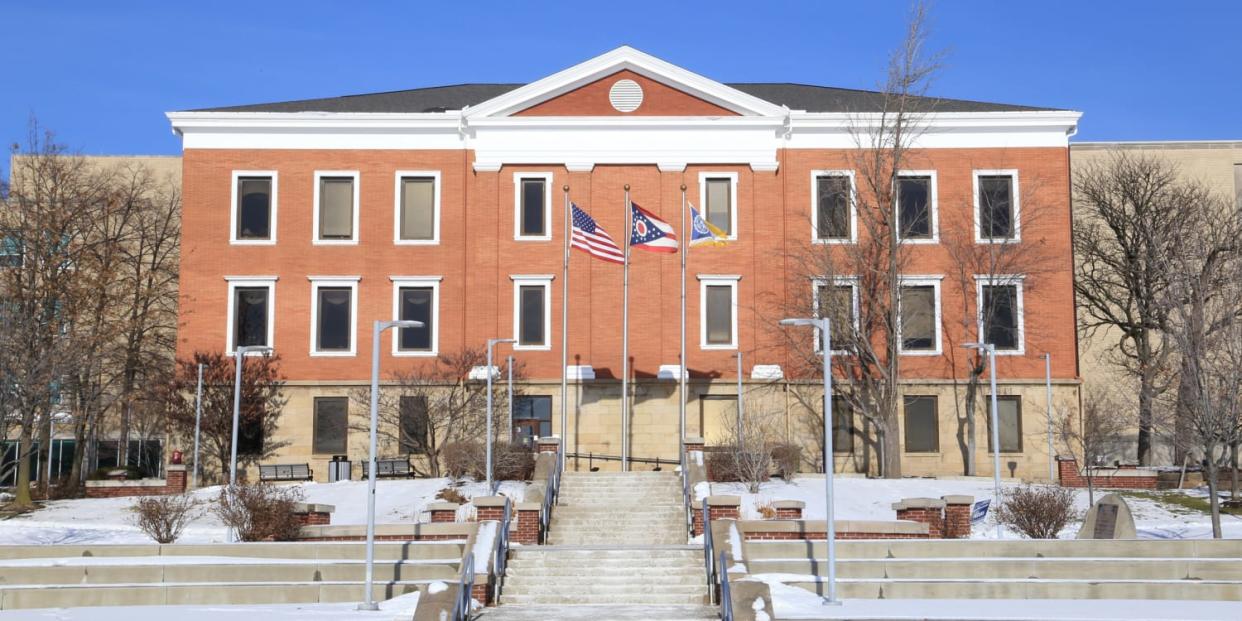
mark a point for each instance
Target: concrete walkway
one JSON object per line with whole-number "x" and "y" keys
{"x": 1008, "y": 610}
{"x": 599, "y": 613}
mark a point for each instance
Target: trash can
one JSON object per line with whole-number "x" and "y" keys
{"x": 339, "y": 468}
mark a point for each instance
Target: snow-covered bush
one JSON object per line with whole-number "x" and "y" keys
{"x": 1037, "y": 511}
{"x": 260, "y": 512}
{"x": 164, "y": 517}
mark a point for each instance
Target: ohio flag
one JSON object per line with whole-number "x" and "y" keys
{"x": 651, "y": 233}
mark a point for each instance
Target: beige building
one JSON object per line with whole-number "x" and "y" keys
{"x": 1215, "y": 163}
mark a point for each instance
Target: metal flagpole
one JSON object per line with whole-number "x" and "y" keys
{"x": 681, "y": 380}
{"x": 198, "y": 420}
{"x": 1052, "y": 458}
{"x": 625, "y": 338}
{"x": 565, "y": 336}
{"x": 509, "y": 389}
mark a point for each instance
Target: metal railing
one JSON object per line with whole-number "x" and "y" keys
{"x": 726, "y": 598}
{"x": 591, "y": 457}
{"x": 685, "y": 494}
{"x": 461, "y": 608}
{"x": 709, "y": 556}
{"x": 551, "y": 493}
{"x": 500, "y": 554}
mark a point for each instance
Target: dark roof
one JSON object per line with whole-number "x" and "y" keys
{"x": 456, "y": 97}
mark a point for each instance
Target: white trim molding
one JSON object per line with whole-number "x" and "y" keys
{"x": 1015, "y": 206}
{"x": 357, "y": 207}
{"x": 271, "y": 212}
{"x": 933, "y": 201}
{"x": 733, "y": 206}
{"x": 236, "y": 282}
{"x": 426, "y": 282}
{"x": 718, "y": 280}
{"x": 546, "y": 177}
{"x": 853, "y": 207}
{"x": 335, "y": 282}
{"x": 1000, "y": 280}
{"x": 836, "y": 281}
{"x": 533, "y": 280}
{"x": 922, "y": 281}
{"x": 435, "y": 205}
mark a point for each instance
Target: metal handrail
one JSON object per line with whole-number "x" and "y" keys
{"x": 685, "y": 494}
{"x": 461, "y": 608}
{"x": 726, "y": 598}
{"x": 709, "y": 556}
{"x": 638, "y": 460}
{"x": 500, "y": 555}
{"x": 551, "y": 494}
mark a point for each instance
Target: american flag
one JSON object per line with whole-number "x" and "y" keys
{"x": 591, "y": 237}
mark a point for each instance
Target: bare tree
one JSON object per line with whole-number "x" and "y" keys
{"x": 870, "y": 365}
{"x": 1128, "y": 221}
{"x": 1095, "y": 435}
{"x": 431, "y": 404}
{"x": 748, "y": 445}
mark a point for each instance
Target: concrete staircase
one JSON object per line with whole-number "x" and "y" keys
{"x": 617, "y": 550}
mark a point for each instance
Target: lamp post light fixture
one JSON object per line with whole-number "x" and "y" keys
{"x": 238, "y": 356}
{"x": 990, "y": 350}
{"x": 491, "y": 343}
{"x": 368, "y": 601}
{"x": 824, "y": 326}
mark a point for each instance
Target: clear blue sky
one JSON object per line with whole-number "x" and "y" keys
{"x": 101, "y": 74}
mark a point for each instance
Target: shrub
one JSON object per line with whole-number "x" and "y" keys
{"x": 788, "y": 458}
{"x": 721, "y": 466}
{"x": 766, "y": 510}
{"x": 260, "y": 512}
{"x": 462, "y": 459}
{"x": 449, "y": 494}
{"x": 1037, "y": 511}
{"x": 510, "y": 462}
{"x": 163, "y": 518}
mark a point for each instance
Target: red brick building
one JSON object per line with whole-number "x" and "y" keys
{"x": 304, "y": 221}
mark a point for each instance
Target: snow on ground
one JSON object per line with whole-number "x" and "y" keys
{"x": 859, "y": 498}
{"x": 794, "y": 603}
{"x": 401, "y": 607}
{"x": 109, "y": 520}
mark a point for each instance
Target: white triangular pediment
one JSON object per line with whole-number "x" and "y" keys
{"x": 621, "y": 59}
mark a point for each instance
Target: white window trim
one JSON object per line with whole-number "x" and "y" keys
{"x": 853, "y": 207}
{"x": 319, "y": 282}
{"x": 271, "y": 215}
{"x": 1012, "y": 173}
{"x": 251, "y": 281}
{"x": 732, "y": 176}
{"x": 319, "y": 174}
{"x": 1016, "y": 280}
{"x": 398, "y": 282}
{"x": 934, "y": 282}
{"x": 517, "y": 205}
{"x": 717, "y": 280}
{"x": 396, "y": 208}
{"x": 935, "y": 206}
{"x": 838, "y": 281}
{"x": 545, "y": 281}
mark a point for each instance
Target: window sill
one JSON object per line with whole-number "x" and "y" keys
{"x": 415, "y": 354}
{"x": 724, "y": 347}
{"x": 334, "y": 242}
{"x": 998, "y": 240}
{"x": 547, "y": 347}
{"x": 832, "y": 241}
{"x": 928, "y": 353}
{"x": 252, "y": 242}
{"x": 416, "y": 242}
{"x": 522, "y": 238}
{"x": 921, "y": 242}
{"x": 333, "y": 354}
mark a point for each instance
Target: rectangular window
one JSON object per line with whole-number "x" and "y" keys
{"x": 334, "y": 325}
{"x": 920, "y": 326}
{"x": 837, "y": 302}
{"x": 251, "y": 316}
{"x": 997, "y": 207}
{"x": 834, "y": 207}
{"x": 1009, "y": 413}
{"x": 254, "y": 208}
{"x": 331, "y": 429}
{"x": 417, "y": 212}
{"x": 532, "y": 320}
{"x": 10, "y": 252}
{"x": 718, "y": 312}
{"x": 415, "y": 425}
{"x": 417, "y": 303}
{"x": 533, "y": 203}
{"x": 999, "y": 320}
{"x": 842, "y": 426}
{"x": 718, "y": 203}
{"x": 922, "y": 426}
{"x": 337, "y": 210}
{"x": 916, "y": 207}
{"x": 532, "y": 418}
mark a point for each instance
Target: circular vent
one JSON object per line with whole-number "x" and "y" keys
{"x": 626, "y": 95}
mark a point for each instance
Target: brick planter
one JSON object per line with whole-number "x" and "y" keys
{"x": 788, "y": 509}
{"x": 489, "y": 508}
{"x": 957, "y": 516}
{"x": 174, "y": 483}
{"x": 550, "y": 444}
{"x": 817, "y": 530}
{"x": 527, "y": 514}
{"x": 718, "y": 508}
{"x": 443, "y": 511}
{"x": 929, "y": 511}
{"x": 1125, "y": 477}
{"x": 311, "y": 514}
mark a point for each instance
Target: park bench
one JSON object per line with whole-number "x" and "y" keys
{"x": 390, "y": 468}
{"x": 285, "y": 472}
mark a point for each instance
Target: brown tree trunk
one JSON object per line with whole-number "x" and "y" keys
{"x": 1212, "y": 469}
{"x": 21, "y": 492}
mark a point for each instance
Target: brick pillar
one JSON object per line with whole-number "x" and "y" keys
{"x": 489, "y": 507}
{"x": 443, "y": 511}
{"x": 1068, "y": 474}
{"x": 929, "y": 511}
{"x": 692, "y": 444}
{"x": 718, "y": 508}
{"x": 527, "y": 515}
{"x": 957, "y": 516}
{"x": 311, "y": 514}
{"x": 788, "y": 509}
{"x": 550, "y": 444}
{"x": 175, "y": 479}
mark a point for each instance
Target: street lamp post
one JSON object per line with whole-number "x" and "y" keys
{"x": 491, "y": 343}
{"x": 824, "y": 327}
{"x": 990, "y": 350}
{"x": 1052, "y": 474}
{"x": 238, "y": 355}
{"x": 198, "y": 422}
{"x": 368, "y": 602}
{"x": 509, "y": 368}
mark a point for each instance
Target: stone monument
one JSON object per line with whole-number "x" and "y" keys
{"x": 1109, "y": 518}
